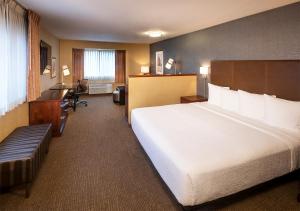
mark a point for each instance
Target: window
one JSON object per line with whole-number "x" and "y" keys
{"x": 13, "y": 56}
{"x": 99, "y": 64}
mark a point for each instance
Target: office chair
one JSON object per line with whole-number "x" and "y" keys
{"x": 71, "y": 99}
{"x": 81, "y": 89}
{"x": 73, "y": 95}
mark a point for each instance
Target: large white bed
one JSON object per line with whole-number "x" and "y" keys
{"x": 203, "y": 152}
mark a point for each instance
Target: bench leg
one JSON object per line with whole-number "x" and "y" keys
{"x": 188, "y": 208}
{"x": 27, "y": 190}
{"x": 298, "y": 196}
{"x": 47, "y": 149}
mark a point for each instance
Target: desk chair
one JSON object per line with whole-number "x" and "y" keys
{"x": 74, "y": 94}
{"x": 81, "y": 89}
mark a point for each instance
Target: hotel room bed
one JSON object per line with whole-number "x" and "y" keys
{"x": 203, "y": 152}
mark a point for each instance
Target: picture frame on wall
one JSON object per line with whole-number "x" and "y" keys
{"x": 45, "y": 56}
{"x": 159, "y": 61}
{"x": 53, "y": 67}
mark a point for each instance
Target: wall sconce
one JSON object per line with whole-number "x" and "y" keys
{"x": 65, "y": 72}
{"x": 171, "y": 63}
{"x": 47, "y": 70}
{"x": 145, "y": 70}
{"x": 204, "y": 73}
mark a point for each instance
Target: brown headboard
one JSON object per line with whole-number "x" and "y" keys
{"x": 274, "y": 77}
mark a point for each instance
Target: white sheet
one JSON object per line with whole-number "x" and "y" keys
{"x": 204, "y": 153}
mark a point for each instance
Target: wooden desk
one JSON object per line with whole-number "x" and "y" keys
{"x": 50, "y": 108}
{"x": 62, "y": 87}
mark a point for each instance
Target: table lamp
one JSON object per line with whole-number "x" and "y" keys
{"x": 145, "y": 70}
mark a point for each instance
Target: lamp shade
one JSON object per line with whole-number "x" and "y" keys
{"x": 145, "y": 69}
{"x": 203, "y": 70}
{"x": 66, "y": 70}
{"x": 47, "y": 69}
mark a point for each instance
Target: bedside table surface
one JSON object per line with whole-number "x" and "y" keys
{"x": 194, "y": 98}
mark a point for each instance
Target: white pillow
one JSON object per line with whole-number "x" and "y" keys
{"x": 251, "y": 105}
{"x": 230, "y": 100}
{"x": 282, "y": 113}
{"x": 214, "y": 94}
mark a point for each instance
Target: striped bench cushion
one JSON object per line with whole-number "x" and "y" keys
{"x": 21, "y": 154}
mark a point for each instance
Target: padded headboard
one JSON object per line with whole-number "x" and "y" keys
{"x": 274, "y": 77}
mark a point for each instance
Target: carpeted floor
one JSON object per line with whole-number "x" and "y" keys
{"x": 98, "y": 165}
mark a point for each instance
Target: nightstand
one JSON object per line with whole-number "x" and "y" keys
{"x": 192, "y": 99}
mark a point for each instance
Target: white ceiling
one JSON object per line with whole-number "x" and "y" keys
{"x": 127, "y": 20}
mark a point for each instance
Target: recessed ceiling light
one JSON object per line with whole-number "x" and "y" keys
{"x": 154, "y": 33}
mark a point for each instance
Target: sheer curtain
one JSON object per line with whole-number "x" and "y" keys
{"x": 13, "y": 55}
{"x": 99, "y": 64}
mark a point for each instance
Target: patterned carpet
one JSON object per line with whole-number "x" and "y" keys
{"x": 98, "y": 165}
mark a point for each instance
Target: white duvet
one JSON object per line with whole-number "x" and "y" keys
{"x": 204, "y": 153}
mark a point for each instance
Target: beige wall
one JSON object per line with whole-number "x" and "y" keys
{"x": 46, "y": 80}
{"x": 13, "y": 119}
{"x": 156, "y": 91}
{"x": 136, "y": 54}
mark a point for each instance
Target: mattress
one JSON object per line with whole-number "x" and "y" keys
{"x": 203, "y": 152}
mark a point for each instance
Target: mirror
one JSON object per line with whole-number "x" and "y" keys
{"x": 45, "y": 56}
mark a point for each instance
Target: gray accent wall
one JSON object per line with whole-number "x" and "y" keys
{"x": 271, "y": 35}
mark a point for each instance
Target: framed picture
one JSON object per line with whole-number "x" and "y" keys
{"x": 159, "y": 62}
{"x": 53, "y": 69}
{"x": 45, "y": 56}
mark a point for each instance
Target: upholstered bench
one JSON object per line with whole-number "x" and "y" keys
{"x": 21, "y": 155}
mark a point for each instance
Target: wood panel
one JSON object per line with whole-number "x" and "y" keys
{"x": 274, "y": 77}
{"x": 120, "y": 62}
{"x": 49, "y": 108}
{"x": 284, "y": 79}
{"x": 222, "y": 73}
{"x": 157, "y": 91}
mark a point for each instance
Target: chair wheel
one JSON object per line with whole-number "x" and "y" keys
{"x": 85, "y": 105}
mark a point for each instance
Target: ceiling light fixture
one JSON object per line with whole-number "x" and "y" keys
{"x": 154, "y": 33}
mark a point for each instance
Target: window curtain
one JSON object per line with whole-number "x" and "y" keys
{"x": 13, "y": 55}
{"x": 120, "y": 66}
{"x": 78, "y": 64}
{"x": 99, "y": 65}
{"x": 33, "y": 82}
